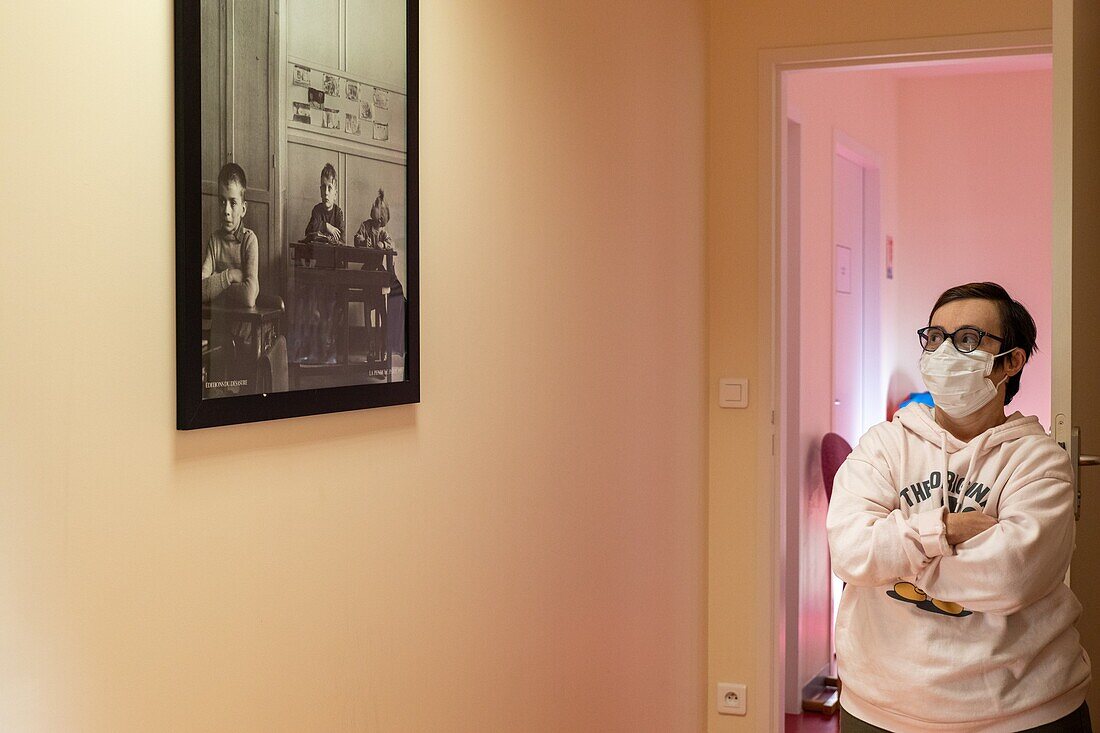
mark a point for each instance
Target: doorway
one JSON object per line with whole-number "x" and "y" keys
{"x": 822, "y": 300}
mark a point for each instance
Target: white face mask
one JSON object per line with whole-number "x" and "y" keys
{"x": 958, "y": 382}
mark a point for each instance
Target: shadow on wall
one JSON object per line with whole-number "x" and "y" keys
{"x": 812, "y": 471}
{"x": 900, "y": 387}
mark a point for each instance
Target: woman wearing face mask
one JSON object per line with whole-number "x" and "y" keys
{"x": 953, "y": 529}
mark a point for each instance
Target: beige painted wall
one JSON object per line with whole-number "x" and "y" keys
{"x": 740, "y": 568}
{"x": 522, "y": 551}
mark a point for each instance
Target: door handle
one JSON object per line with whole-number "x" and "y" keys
{"x": 1078, "y": 460}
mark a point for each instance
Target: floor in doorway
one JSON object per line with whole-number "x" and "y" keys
{"x": 812, "y": 723}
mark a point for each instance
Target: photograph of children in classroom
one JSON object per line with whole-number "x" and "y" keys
{"x": 305, "y": 265}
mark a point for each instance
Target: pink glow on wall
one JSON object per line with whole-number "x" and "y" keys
{"x": 975, "y": 204}
{"x": 971, "y": 200}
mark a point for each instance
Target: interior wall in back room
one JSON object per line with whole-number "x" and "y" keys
{"x": 861, "y": 105}
{"x": 976, "y": 205}
{"x": 522, "y": 551}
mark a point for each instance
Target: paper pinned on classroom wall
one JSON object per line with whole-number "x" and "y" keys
{"x": 332, "y": 103}
{"x": 382, "y": 115}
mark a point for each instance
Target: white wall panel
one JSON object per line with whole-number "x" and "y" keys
{"x": 314, "y": 30}
{"x": 376, "y": 41}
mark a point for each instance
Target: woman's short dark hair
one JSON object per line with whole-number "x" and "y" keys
{"x": 1017, "y": 326}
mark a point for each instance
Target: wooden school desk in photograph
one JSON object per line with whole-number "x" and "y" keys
{"x": 356, "y": 275}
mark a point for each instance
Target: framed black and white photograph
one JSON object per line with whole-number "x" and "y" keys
{"x": 297, "y": 243}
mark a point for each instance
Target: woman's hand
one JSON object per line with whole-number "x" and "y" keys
{"x": 966, "y": 525}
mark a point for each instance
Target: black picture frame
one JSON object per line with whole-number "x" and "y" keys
{"x": 196, "y": 408}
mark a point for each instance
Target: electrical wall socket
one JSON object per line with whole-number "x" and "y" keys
{"x": 731, "y": 698}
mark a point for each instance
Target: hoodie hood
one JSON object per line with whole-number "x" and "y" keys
{"x": 919, "y": 420}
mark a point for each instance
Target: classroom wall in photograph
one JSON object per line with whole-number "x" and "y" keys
{"x": 318, "y": 31}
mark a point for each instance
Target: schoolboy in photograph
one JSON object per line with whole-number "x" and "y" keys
{"x": 326, "y": 221}
{"x": 230, "y": 258}
{"x": 230, "y": 267}
{"x": 372, "y": 232}
{"x": 316, "y": 331}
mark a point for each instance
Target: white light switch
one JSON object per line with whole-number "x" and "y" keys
{"x": 733, "y": 392}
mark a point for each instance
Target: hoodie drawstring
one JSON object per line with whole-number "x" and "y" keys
{"x": 943, "y": 459}
{"x": 979, "y": 447}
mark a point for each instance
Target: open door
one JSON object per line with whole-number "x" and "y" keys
{"x": 1075, "y": 396}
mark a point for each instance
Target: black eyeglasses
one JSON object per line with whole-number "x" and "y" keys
{"x": 966, "y": 339}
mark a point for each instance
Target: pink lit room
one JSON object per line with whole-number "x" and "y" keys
{"x": 897, "y": 176}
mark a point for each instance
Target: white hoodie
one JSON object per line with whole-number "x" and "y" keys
{"x": 979, "y": 637}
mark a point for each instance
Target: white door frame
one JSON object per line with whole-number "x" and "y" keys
{"x": 775, "y": 299}
{"x": 1061, "y": 337}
